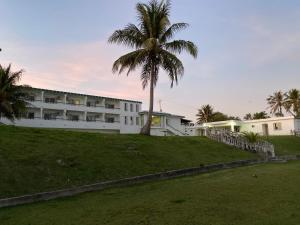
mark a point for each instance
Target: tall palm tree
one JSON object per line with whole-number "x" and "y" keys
{"x": 292, "y": 102}
{"x": 205, "y": 114}
{"x": 12, "y": 102}
{"x": 276, "y": 103}
{"x": 153, "y": 48}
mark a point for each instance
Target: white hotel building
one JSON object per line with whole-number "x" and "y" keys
{"x": 65, "y": 110}
{"x": 58, "y": 109}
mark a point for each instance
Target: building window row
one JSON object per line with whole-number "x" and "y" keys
{"x": 131, "y": 107}
{"x": 129, "y": 120}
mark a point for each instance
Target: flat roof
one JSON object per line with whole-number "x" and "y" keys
{"x": 161, "y": 113}
{"x": 270, "y": 119}
{"x": 95, "y": 96}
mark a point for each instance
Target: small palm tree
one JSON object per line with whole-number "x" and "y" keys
{"x": 205, "y": 114}
{"x": 276, "y": 103}
{"x": 153, "y": 48}
{"x": 12, "y": 103}
{"x": 251, "y": 136}
{"x": 292, "y": 102}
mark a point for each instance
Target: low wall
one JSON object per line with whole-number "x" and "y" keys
{"x": 130, "y": 181}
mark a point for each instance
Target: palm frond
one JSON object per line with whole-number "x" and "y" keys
{"x": 172, "y": 30}
{"x": 179, "y": 46}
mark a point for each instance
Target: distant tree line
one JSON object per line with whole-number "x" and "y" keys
{"x": 277, "y": 103}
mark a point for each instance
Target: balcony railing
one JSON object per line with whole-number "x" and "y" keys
{"x": 74, "y": 104}
{"x": 70, "y": 119}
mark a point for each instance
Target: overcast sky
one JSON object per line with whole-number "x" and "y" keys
{"x": 247, "y": 50}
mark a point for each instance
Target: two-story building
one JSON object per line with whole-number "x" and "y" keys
{"x": 66, "y": 110}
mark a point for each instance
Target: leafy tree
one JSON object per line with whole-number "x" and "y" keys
{"x": 248, "y": 116}
{"x": 292, "y": 102}
{"x": 260, "y": 115}
{"x": 12, "y": 103}
{"x": 276, "y": 103}
{"x": 205, "y": 114}
{"x": 153, "y": 48}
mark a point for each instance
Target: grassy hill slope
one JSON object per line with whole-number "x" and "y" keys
{"x": 35, "y": 160}
{"x": 226, "y": 197}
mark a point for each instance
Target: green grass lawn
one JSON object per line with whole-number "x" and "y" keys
{"x": 36, "y": 160}
{"x": 285, "y": 145}
{"x": 229, "y": 197}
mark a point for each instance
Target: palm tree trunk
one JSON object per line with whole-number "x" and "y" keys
{"x": 147, "y": 127}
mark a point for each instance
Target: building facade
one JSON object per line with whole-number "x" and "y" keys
{"x": 166, "y": 124}
{"x": 265, "y": 127}
{"x": 65, "y": 110}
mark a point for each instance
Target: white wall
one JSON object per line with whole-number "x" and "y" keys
{"x": 297, "y": 125}
{"x": 129, "y": 128}
{"x": 287, "y": 125}
{"x": 83, "y": 125}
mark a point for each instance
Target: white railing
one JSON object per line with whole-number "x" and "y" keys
{"x": 174, "y": 130}
{"x": 264, "y": 148}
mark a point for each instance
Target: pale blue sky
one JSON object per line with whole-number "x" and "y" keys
{"x": 247, "y": 50}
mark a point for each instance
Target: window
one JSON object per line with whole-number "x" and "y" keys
{"x": 110, "y": 106}
{"x": 131, "y": 120}
{"x": 277, "y": 126}
{"x": 131, "y": 107}
{"x": 142, "y": 120}
{"x": 31, "y": 98}
{"x": 137, "y": 108}
{"x": 110, "y": 120}
{"x": 125, "y": 120}
{"x": 50, "y": 100}
{"x": 31, "y": 115}
{"x": 49, "y": 116}
{"x": 156, "y": 121}
{"x": 137, "y": 121}
{"x": 253, "y": 126}
{"x": 125, "y": 106}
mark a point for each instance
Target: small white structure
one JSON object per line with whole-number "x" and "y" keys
{"x": 166, "y": 124}
{"x": 271, "y": 126}
{"x": 58, "y": 109}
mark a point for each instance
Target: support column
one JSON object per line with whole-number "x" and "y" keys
{"x": 65, "y": 115}
{"x": 42, "y": 96}
{"x": 232, "y": 127}
{"x": 65, "y": 99}
{"x": 41, "y": 113}
{"x": 84, "y": 116}
{"x": 85, "y": 100}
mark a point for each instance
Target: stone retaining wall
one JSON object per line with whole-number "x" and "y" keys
{"x": 130, "y": 181}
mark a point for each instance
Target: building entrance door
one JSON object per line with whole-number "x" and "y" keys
{"x": 265, "y": 129}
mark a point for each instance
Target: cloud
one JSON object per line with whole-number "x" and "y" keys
{"x": 84, "y": 68}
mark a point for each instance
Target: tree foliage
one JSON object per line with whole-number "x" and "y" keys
{"x": 12, "y": 99}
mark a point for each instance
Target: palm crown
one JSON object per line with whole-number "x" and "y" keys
{"x": 153, "y": 47}
{"x": 205, "y": 114}
{"x": 12, "y": 102}
{"x": 292, "y": 102}
{"x": 276, "y": 102}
